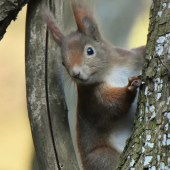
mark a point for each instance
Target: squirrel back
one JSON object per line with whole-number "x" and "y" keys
{"x": 100, "y": 88}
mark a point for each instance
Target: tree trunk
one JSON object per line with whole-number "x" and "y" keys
{"x": 8, "y": 11}
{"x": 149, "y": 145}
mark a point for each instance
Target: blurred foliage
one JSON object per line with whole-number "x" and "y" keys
{"x": 123, "y": 22}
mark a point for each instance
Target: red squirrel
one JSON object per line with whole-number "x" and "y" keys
{"x": 106, "y": 84}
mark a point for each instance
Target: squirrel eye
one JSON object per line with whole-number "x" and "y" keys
{"x": 90, "y": 51}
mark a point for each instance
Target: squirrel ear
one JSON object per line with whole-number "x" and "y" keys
{"x": 52, "y": 25}
{"x": 91, "y": 28}
{"x": 85, "y": 22}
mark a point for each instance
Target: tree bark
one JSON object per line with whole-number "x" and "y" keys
{"x": 149, "y": 145}
{"x": 8, "y": 11}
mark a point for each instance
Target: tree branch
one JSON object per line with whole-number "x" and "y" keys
{"x": 9, "y": 10}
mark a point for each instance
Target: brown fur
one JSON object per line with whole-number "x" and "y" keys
{"x": 95, "y": 119}
{"x": 80, "y": 13}
{"x": 49, "y": 18}
{"x": 118, "y": 95}
{"x": 75, "y": 55}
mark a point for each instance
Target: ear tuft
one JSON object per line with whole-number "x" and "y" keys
{"x": 91, "y": 28}
{"x": 79, "y": 14}
{"x": 84, "y": 18}
{"x": 52, "y": 25}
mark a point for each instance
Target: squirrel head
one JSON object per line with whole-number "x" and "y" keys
{"x": 86, "y": 56}
{"x": 83, "y": 51}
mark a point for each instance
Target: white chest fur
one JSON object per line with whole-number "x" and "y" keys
{"x": 118, "y": 77}
{"x": 123, "y": 129}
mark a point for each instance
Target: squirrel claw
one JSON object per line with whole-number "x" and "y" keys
{"x": 140, "y": 76}
{"x": 134, "y": 82}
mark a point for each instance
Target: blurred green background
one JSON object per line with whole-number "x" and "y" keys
{"x": 123, "y": 22}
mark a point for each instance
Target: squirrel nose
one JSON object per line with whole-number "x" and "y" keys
{"x": 76, "y": 74}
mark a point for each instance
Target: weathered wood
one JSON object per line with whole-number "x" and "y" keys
{"x": 8, "y": 12}
{"x": 36, "y": 88}
{"x": 46, "y": 106}
{"x": 57, "y": 107}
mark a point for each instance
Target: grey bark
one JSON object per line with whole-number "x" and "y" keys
{"x": 149, "y": 144}
{"x": 8, "y": 11}
{"x": 46, "y": 106}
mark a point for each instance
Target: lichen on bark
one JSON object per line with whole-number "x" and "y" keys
{"x": 149, "y": 145}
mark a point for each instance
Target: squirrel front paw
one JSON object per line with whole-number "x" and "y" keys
{"x": 134, "y": 82}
